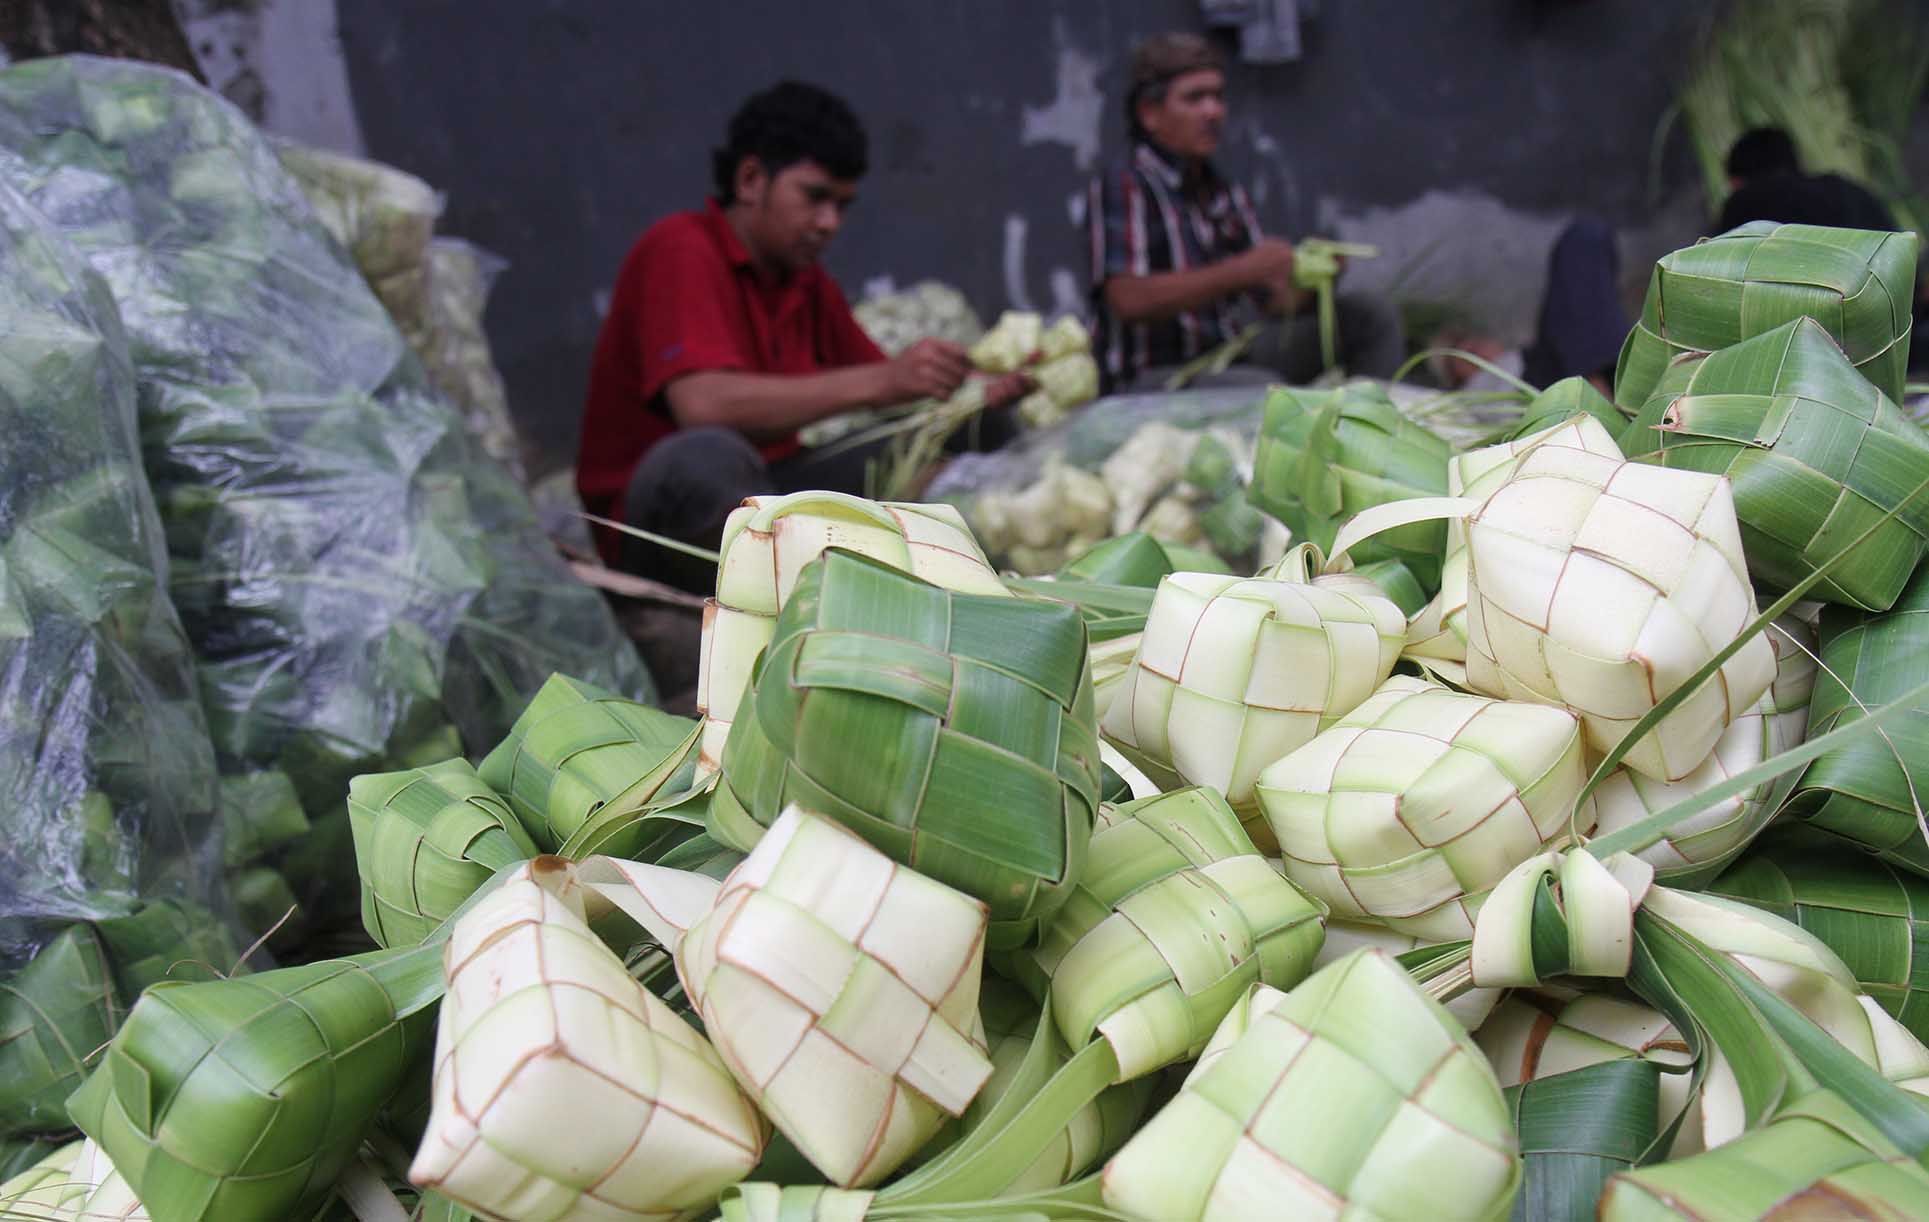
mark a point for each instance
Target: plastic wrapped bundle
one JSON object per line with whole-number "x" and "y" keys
{"x": 106, "y": 775}
{"x": 383, "y": 217}
{"x": 456, "y": 349}
{"x": 355, "y": 574}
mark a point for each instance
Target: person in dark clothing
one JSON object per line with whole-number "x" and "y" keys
{"x": 1582, "y": 320}
{"x": 1178, "y": 262}
{"x": 1581, "y": 326}
{"x": 1767, "y": 184}
{"x": 725, "y": 336}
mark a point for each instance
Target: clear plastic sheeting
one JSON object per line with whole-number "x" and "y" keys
{"x": 385, "y": 219}
{"x": 1118, "y": 464}
{"x": 456, "y": 348}
{"x": 360, "y": 581}
{"x": 107, "y": 784}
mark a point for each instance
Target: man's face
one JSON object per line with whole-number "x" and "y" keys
{"x": 793, "y": 214}
{"x": 1188, "y": 120}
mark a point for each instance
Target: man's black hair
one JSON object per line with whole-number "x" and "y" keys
{"x": 788, "y": 123}
{"x": 1760, "y": 152}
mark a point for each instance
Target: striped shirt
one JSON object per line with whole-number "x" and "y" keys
{"x": 1145, "y": 216}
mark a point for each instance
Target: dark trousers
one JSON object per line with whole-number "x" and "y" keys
{"x": 687, "y": 484}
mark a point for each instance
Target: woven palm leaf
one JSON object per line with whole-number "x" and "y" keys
{"x": 1176, "y": 915}
{"x": 841, "y": 989}
{"x": 541, "y": 1026}
{"x": 1323, "y": 456}
{"x": 1867, "y": 792}
{"x": 1415, "y": 804}
{"x": 1804, "y": 972}
{"x": 1601, "y": 586}
{"x": 1817, "y": 456}
{"x": 1397, "y": 582}
{"x": 766, "y": 544}
{"x": 953, "y": 731}
{"x": 1354, "y": 1095}
{"x": 1819, "y": 1158}
{"x": 1873, "y": 915}
{"x": 425, "y": 839}
{"x": 576, "y": 749}
{"x": 1440, "y": 630}
{"x": 1534, "y": 1034}
{"x": 1560, "y": 403}
{"x": 1133, "y": 559}
{"x": 1696, "y": 848}
{"x": 54, "y": 1013}
{"x": 1102, "y": 1126}
{"x": 245, "y": 1098}
{"x": 19, "y": 1154}
{"x": 1233, "y": 673}
{"x": 1471, "y": 1007}
{"x": 1859, "y": 284}
{"x": 166, "y": 940}
{"x": 75, "y": 1183}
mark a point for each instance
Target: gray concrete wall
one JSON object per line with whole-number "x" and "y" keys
{"x": 1457, "y": 133}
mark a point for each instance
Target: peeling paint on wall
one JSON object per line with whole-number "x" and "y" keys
{"x": 281, "y": 62}
{"x": 1072, "y": 118}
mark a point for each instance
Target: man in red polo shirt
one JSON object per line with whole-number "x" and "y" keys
{"x": 725, "y": 336}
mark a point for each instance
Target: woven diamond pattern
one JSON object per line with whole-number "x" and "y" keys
{"x": 1412, "y": 807}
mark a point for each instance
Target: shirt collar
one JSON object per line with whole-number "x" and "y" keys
{"x": 738, "y": 256}
{"x": 1173, "y": 172}
{"x": 732, "y": 246}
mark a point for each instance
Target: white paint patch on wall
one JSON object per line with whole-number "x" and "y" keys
{"x": 1464, "y": 248}
{"x": 1017, "y": 296}
{"x": 1072, "y": 117}
{"x": 280, "y": 61}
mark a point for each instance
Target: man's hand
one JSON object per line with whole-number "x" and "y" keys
{"x": 928, "y": 369}
{"x": 1007, "y": 388}
{"x": 1270, "y": 264}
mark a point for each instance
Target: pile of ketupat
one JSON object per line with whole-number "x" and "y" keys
{"x": 1584, "y": 882}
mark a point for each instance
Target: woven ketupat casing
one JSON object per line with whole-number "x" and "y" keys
{"x": 1858, "y": 283}
{"x": 542, "y": 1026}
{"x": 245, "y": 1098}
{"x": 1323, "y": 456}
{"x": 1176, "y": 916}
{"x": 1233, "y": 673}
{"x": 768, "y": 541}
{"x": 1440, "y": 629}
{"x": 1415, "y": 804}
{"x": 955, "y": 732}
{"x": 425, "y": 839}
{"x": 1866, "y": 792}
{"x": 575, "y": 748}
{"x": 1818, "y": 1158}
{"x": 1354, "y": 1095}
{"x": 1817, "y": 456}
{"x": 1875, "y": 916}
{"x": 1601, "y": 586}
{"x": 54, "y": 1013}
{"x": 842, "y": 991}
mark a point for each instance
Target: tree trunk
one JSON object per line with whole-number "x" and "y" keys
{"x": 122, "y": 29}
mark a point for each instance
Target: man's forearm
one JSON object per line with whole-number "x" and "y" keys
{"x": 761, "y": 405}
{"x": 1165, "y": 294}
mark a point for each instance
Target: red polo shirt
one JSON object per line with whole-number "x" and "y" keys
{"x": 687, "y": 299}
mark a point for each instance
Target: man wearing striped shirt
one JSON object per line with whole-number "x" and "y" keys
{"x": 1178, "y": 262}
